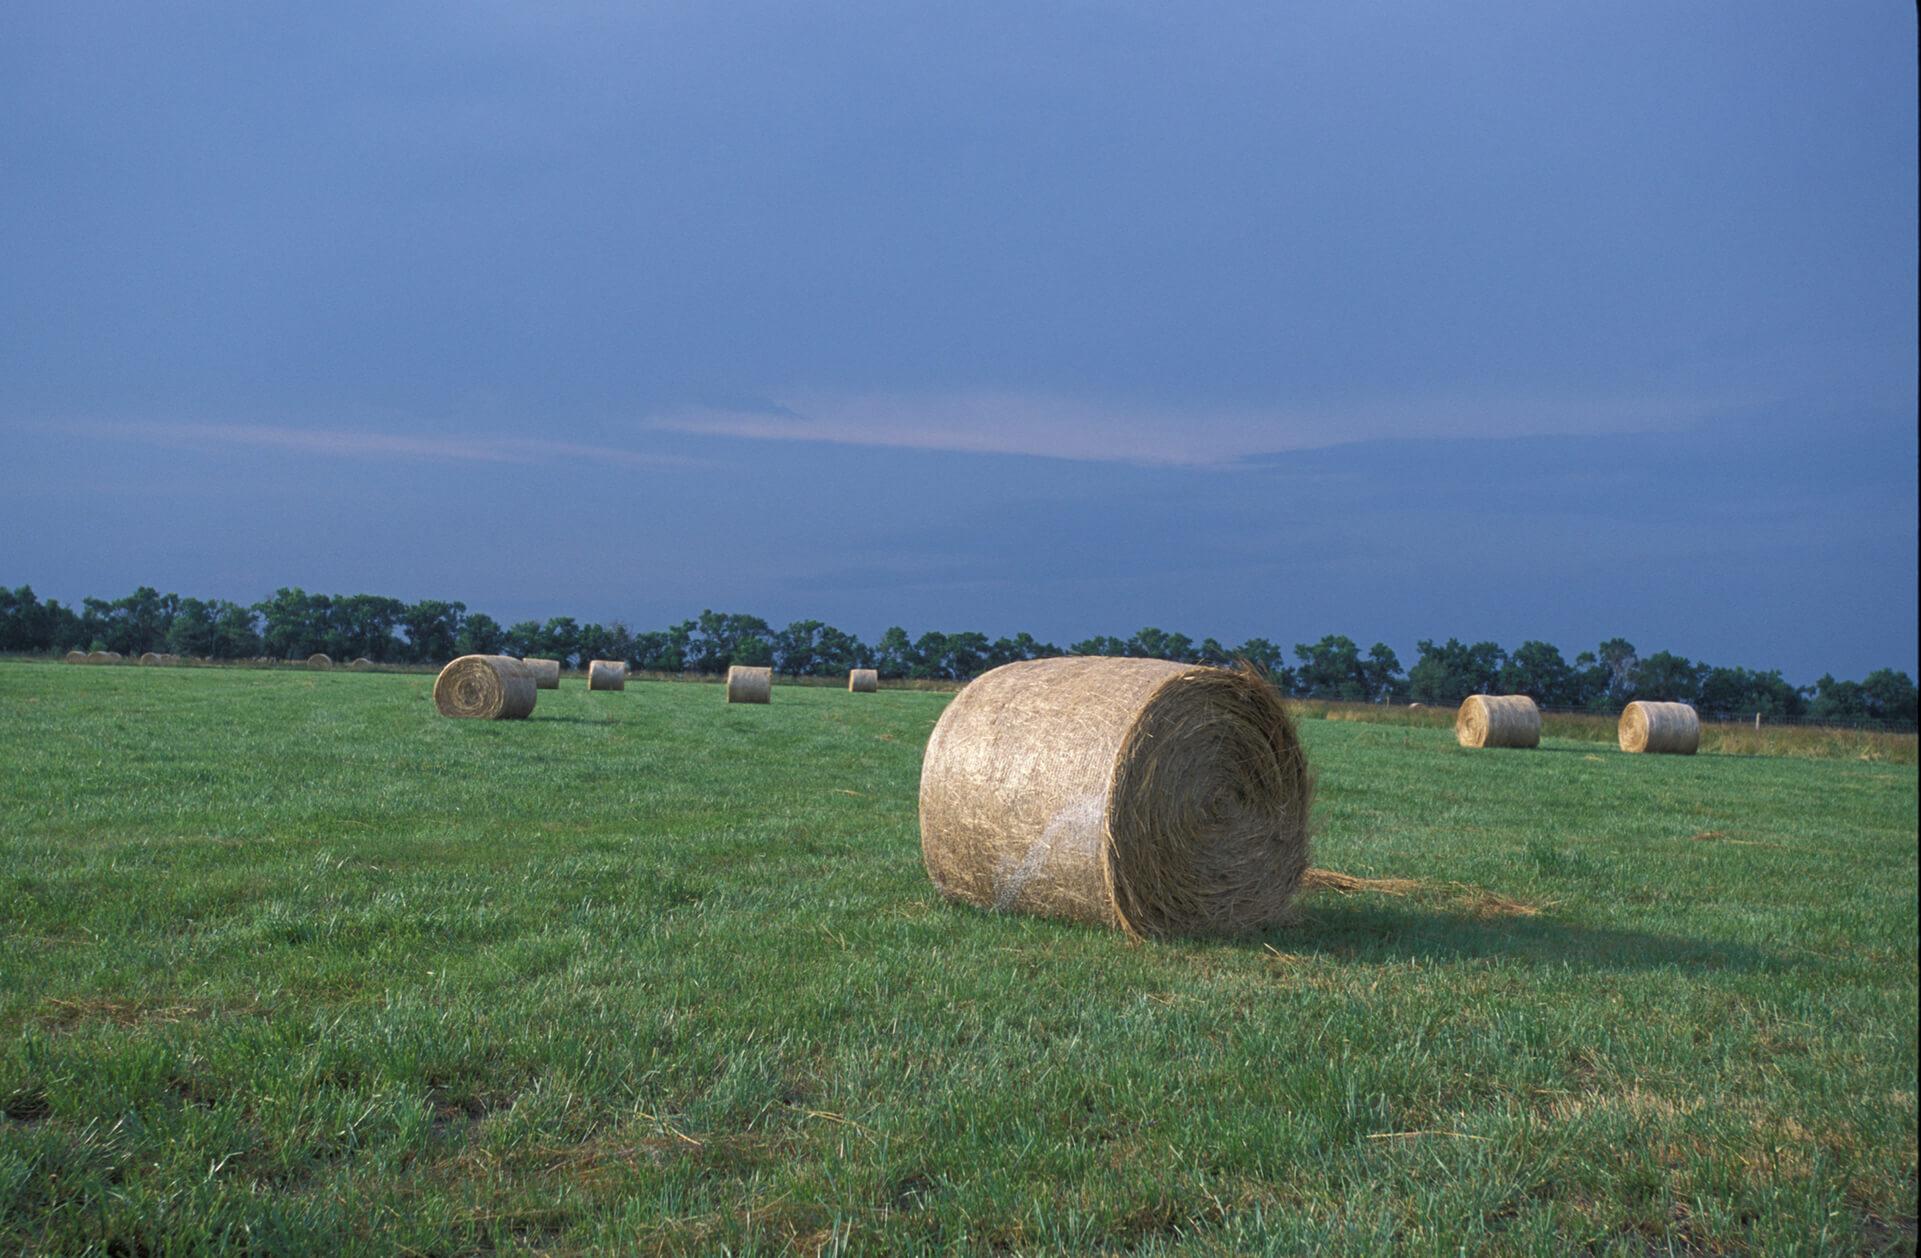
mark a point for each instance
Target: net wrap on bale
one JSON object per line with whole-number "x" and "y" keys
{"x": 1660, "y": 728}
{"x": 1498, "y": 721}
{"x": 603, "y": 675}
{"x": 484, "y": 687}
{"x": 1154, "y": 797}
{"x": 546, "y": 673}
{"x": 747, "y": 684}
{"x": 865, "y": 681}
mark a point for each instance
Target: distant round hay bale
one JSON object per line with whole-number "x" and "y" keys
{"x": 361, "y": 662}
{"x": 1660, "y": 728}
{"x": 1155, "y": 797}
{"x": 1498, "y": 721}
{"x": 485, "y": 687}
{"x": 747, "y": 684}
{"x": 103, "y": 657}
{"x": 76, "y": 657}
{"x": 320, "y": 659}
{"x": 546, "y": 673}
{"x": 602, "y": 675}
{"x": 863, "y": 681}
{"x": 152, "y": 657}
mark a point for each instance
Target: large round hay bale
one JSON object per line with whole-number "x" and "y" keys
{"x": 1159, "y": 798}
{"x": 603, "y": 675}
{"x": 1660, "y": 728}
{"x": 863, "y": 681}
{"x": 747, "y": 684}
{"x": 76, "y": 657}
{"x": 320, "y": 659}
{"x": 546, "y": 673}
{"x": 1498, "y": 721}
{"x": 361, "y": 662}
{"x": 485, "y": 687}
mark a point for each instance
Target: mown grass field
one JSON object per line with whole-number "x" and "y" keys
{"x": 289, "y": 964}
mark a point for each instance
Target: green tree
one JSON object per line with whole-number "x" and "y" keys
{"x": 894, "y": 655}
{"x": 1381, "y": 671}
{"x": 433, "y": 630}
{"x": 1158, "y": 644}
{"x": 480, "y": 634}
{"x": 1332, "y": 669}
{"x": 1537, "y": 669}
{"x": 1668, "y": 678}
{"x": 1449, "y": 673}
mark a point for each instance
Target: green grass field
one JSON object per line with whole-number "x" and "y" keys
{"x": 290, "y": 964}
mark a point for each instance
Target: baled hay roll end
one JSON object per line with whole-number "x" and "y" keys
{"x": 1660, "y": 729}
{"x": 484, "y": 687}
{"x": 1158, "y": 798}
{"x": 1498, "y": 721}
{"x": 747, "y": 684}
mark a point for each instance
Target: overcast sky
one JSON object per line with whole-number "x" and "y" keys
{"x": 1393, "y": 320}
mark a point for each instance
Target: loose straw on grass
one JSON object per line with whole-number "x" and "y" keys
{"x": 484, "y": 687}
{"x": 1498, "y": 721}
{"x": 747, "y": 684}
{"x": 1155, "y": 797}
{"x": 1660, "y": 728}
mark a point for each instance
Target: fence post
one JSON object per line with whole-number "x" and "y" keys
{"x": 1757, "y": 722}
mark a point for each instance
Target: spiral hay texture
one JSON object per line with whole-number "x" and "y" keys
{"x": 747, "y": 684}
{"x": 546, "y": 673}
{"x": 863, "y": 681}
{"x": 1660, "y": 728}
{"x": 1157, "y": 798}
{"x": 484, "y": 687}
{"x": 602, "y": 675}
{"x": 1498, "y": 721}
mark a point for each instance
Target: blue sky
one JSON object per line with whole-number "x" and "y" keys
{"x": 1492, "y": 321}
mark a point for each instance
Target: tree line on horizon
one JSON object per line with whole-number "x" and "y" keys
{"x": 294, "y": 624}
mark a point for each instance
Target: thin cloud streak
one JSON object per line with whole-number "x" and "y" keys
{"x": 1066, "y": 428}
{"x": 354, "y": 444}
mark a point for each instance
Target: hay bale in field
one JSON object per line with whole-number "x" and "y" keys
{"x": 150, "y": 657}
{"x": 1660, "y": 728}
{"x": 76, "y": 657}
{"x": 602, "y": 675}
{"x": 1498, "y": 721}
{"x": 320, "y": 659}
{"x": 103, "y": 657}
{"x": 361, "y": 662}
{"x": 485, "y": 687}
{"x": 863, "y": 681}
{"x": 546, "y": 673}
{"x": 1159, "y": 798}
{"x": 747, "y": 684}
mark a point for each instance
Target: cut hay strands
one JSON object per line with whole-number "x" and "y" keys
{"x": 485, "y": 687}
{"x": 1157, "y": 798}
{"x": 320, "y": 659}
{"x": 546, "y": 673}
{"x": 1498, "y": 721}
{"x": 747, "y": 684}
{"x": 1660, "y": 729}
{"x": 863, "y": 681}
{"x": 602, "y": 675}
